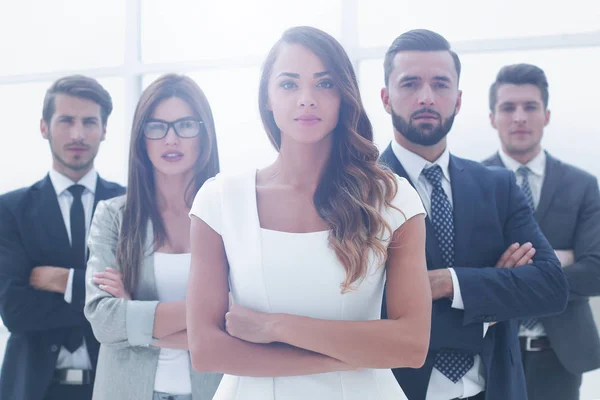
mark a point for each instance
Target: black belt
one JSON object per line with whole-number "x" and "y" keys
{"x": 534, "y": 344}
{"x": 73, "y": 376}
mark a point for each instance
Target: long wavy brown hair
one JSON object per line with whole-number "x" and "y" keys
{"x": 141, "y": 201}
{"x": 354, "y": 187}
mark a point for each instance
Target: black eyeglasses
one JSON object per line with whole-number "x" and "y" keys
{"x": 185, "y": 128}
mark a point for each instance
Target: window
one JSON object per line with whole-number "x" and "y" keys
{"x": 44, "y": 36}
{"x": 381, "y": 21}
{"x": 185, "y": 30}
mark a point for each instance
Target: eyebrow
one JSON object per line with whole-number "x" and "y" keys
{"x": 297, "y": 76}
{"x": 412, "y": 78}
{"x": 527, "y": 103}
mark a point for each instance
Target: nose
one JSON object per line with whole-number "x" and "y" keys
{"x": 307, "y": 99}
{"x": 426, "y": 96}
{"x": 76, "y": 132}
{"x": 519, "y": 116}
{"x": 171, "y": 138}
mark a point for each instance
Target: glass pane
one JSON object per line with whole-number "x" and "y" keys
{"x": 183, "y": 30}
{"x": 233, "y": 97}
{"x": 24, "y": 152}
{"x": 28, "y": 153}
{"x": 113, "y": 155}
{"x": 380, "y": 21}
{"x": 570, "y": 135}
{"x": 44, "y": 36}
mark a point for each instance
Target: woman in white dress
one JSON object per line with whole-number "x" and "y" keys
{"x": 307, "y": 246}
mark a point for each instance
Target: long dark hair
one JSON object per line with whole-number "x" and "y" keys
{"x": 353, "y": 187}
{"x": 141, "y": 202}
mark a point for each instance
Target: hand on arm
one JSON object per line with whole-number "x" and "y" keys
{"x": 169, "y": 317}
{"x": 516, "y": 255}
{"x": 50, "y": 279}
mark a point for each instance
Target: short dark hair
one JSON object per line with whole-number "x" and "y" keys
{"x": 417, "y": 40}
{"x": 77, "y": 86}
{"x": 520, "y": 74}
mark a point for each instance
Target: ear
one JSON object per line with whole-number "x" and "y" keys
{"x": 547, "y": 118}
{"x": 103, "y": 133}
{"x": 44, "y": 129}
{"x": 458, "y": 101}
{"x": 493, "y": 120}
{"x": 385, "y": 99}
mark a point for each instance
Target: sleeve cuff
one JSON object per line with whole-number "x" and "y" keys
{"x": 139, "y": 322}
{"x": 69, "y": 288}
{"x": 486, "y": 326}
{"x": 457, "y": 301}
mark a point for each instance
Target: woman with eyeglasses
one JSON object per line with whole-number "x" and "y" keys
{"x": 139, "y": 246}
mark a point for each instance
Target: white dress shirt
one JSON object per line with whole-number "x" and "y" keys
{"x": 79, "y": 359}
{"x": 440, "y": 387}
{"x": 536, "y": 179}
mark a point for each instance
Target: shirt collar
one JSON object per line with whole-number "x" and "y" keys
{"x": 62, "y": 183}
{"x": 537, "y": 165}
{"x": 414, "y": 163}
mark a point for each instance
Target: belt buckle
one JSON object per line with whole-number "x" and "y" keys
{"x": 528, "y": 346}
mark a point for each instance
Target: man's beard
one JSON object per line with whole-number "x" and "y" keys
{"x": 426, "y": 134}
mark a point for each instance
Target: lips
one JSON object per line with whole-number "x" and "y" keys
{"x": 425, "y": 116}
{"x": 308, "y": 119}
{"x": 172, "y": 156}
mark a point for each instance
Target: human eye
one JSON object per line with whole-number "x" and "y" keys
{"x": 287, "y": 85}
{"x": 326, "y": 84}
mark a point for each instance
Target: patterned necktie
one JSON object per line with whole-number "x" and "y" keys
{"x": 74, "y": 339}
{"x": 453, "y": 364}
{"x": 524, "y": 172}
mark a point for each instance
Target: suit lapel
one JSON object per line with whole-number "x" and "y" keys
{"x": 432, "y": 248}
{"x": 49, "y": 216}
{"x": 104, "y": 190}
{"x": 494, "y": 160}
{"x": 552, "y": 177}
{"x": 463, "y": 189}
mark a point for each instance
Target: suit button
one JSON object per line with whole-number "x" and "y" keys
{"x": 54, "y": 348}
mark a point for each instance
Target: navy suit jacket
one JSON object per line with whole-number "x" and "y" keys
{"x": 490, "y": 213}
{"x": 33, "y": 233}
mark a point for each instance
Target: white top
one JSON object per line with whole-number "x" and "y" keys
{"x": 80, "y": 358}
{"x": 171, "y": 272}
{"x": 296, "y": 273}
{"x": 536, "y": 180}
{"x": 440, "y": 387}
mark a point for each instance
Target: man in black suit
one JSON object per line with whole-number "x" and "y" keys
{"x": 488, "y": 261}
{"x": 51, "y": 352}
{"x": 556, "y": 350}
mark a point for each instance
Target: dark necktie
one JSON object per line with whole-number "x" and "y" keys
{"x": 524, "y": 172}
{"x": 77, "y": 222}
{"x": 77, "y": 217}
{"x": 453, "y": 364}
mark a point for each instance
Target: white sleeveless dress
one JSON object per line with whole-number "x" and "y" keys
{"x": 296, "y": 273}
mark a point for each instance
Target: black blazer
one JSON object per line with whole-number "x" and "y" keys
{"x": 490, "y": 213}
{"x": 33, "y": 233}
{"x": 569, "y": 216}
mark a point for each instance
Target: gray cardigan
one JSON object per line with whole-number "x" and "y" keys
{"x": 127, "y": 362}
